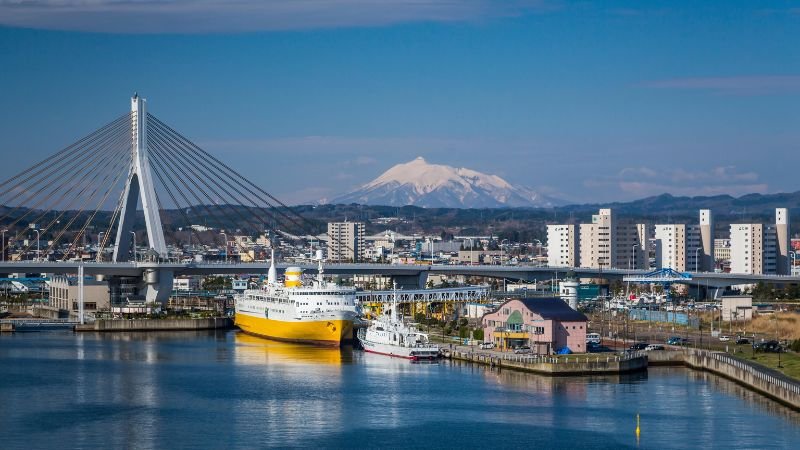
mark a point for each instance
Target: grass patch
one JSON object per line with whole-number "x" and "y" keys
{"x": 790, "y": 362}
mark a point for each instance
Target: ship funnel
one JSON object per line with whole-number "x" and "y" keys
{"x": 272, "y": 275}
{"x": 292, "y": 277}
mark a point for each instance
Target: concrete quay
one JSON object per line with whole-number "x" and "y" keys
{"x": 765, "y": 381}
{"x": 759, "y": 379}
{"x": 118, "y": 325}
{"x": 564, "y": 366}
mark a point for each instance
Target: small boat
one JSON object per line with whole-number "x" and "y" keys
{"x": 388, "y": 335}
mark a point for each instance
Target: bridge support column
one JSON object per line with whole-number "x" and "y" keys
{"x": 81, "y": 298}
{"x": 157, "y": 286}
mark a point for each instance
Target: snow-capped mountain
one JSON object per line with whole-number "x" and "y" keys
{"x": 439, "y": 186}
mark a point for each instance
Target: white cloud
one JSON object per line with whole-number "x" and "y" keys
{"x": 739, "y": 85}
{"x": 221, "y": 16}
{"x": 637, "y": 182}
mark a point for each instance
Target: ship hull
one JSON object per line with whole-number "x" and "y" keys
{"x": 395, "y": 351}
{"x": 326, "y": 332}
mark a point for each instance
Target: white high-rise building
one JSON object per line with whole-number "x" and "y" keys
{"x": 753, "y": 249}
{"x": 562, "y": 245}
{"x": 612, "y": 243}
{"x": 686, "y": 248}
{"x": 678, "y": 247}
{"x": 346, "y": 241}
{"x": 706, "y": 262}
{"x": 783, "y": 242}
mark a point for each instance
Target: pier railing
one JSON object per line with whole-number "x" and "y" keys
{"x": 760, "y": 373}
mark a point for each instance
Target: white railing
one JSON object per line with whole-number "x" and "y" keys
{"x": 782, "y": 382}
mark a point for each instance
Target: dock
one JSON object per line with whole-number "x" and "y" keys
{"x": 572, "y": 365}
{"x": 121, "y": 325}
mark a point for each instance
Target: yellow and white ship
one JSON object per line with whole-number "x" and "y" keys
{"x": 320, "y": 312}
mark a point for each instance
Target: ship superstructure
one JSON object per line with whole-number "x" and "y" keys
{"x": 389, "y": 335}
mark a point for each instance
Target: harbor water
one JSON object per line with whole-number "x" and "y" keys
{"x": 227, "y": 390}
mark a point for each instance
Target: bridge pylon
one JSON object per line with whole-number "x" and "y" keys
{"x": 139, "y": 184}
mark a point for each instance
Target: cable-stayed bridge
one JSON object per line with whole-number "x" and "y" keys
{"x": 138, "y": 162}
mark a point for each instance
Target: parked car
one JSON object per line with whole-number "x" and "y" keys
{"x": 522, "y": 350}
{"x": 768, "y": 347}
{"x": 675, "y": 340}
{"x": 638, "y": 346}
{"x": 653, "y": 347}
{"x": 742, "y": 340}
{"x": 486, "y": 345}
{"x": 724, "y": 338}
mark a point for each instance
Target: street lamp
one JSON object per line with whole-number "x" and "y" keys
{"x": 135, "y": 256}
{"x": 697, "y": 267}
{"x": 225, "y": 236}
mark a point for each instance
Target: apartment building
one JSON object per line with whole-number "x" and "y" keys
{"x": 722, "y": 250}
{"x": 609, "y": 242}
{"x": 563, "y": 245}
{"x": 762, "y": 248}
{"x": 753, "y": 249}
{"x": 678, "y": 247}
{"x": 686, "y": 247}
{"x": 346, "y": 241}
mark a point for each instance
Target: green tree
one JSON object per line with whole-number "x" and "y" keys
{"x": 477, "y": 334}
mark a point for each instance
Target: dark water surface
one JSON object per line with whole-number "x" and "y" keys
{"x": 228, "y": 390}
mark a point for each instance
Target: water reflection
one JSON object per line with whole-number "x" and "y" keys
{"x": 255, "y": 350}
{"x": 295, "y": 390}
{"x": 142, "y": 390}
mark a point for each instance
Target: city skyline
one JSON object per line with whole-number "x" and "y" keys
{"x": 589, "y": 102}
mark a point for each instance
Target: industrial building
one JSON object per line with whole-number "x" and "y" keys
{"x": 64, "y": 294}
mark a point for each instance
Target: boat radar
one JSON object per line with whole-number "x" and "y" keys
{"x": 272, "y": 275}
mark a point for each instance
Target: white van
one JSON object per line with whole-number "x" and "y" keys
{"x": 593, "y": 338}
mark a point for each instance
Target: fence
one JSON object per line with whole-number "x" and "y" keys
{"x": 664, "y": 316}
{"x": 780, "y": 381}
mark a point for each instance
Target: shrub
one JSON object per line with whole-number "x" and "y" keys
{"x": 477, "y": 334}
{"x": 448, "y": 330}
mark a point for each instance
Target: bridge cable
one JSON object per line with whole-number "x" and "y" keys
{"x": 235, "y": 177}
{"x": 158, "y": 151}
{"x": 57, "y": 171}
{"x": 99, "y": 205}
{"x": 184, "y": 157}
{"x": 72, "y": 148}
{"x": 80, "y": 211}
{"x": 157, "y": 172}
{"x": 90, "y": 158}
{"x": 86, "y": 181}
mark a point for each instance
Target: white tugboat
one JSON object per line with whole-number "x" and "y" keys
{"x": 388, "y": 335}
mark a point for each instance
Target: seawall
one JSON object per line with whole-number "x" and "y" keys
{"x": 760, "y": 379}
{"x": 111, "y": 325}
{"x": 570, "y": 366}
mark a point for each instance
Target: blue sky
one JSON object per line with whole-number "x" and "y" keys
{"x": 587, "y": 101}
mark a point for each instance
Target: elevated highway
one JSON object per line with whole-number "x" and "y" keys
{"x": 406, "y": 275}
